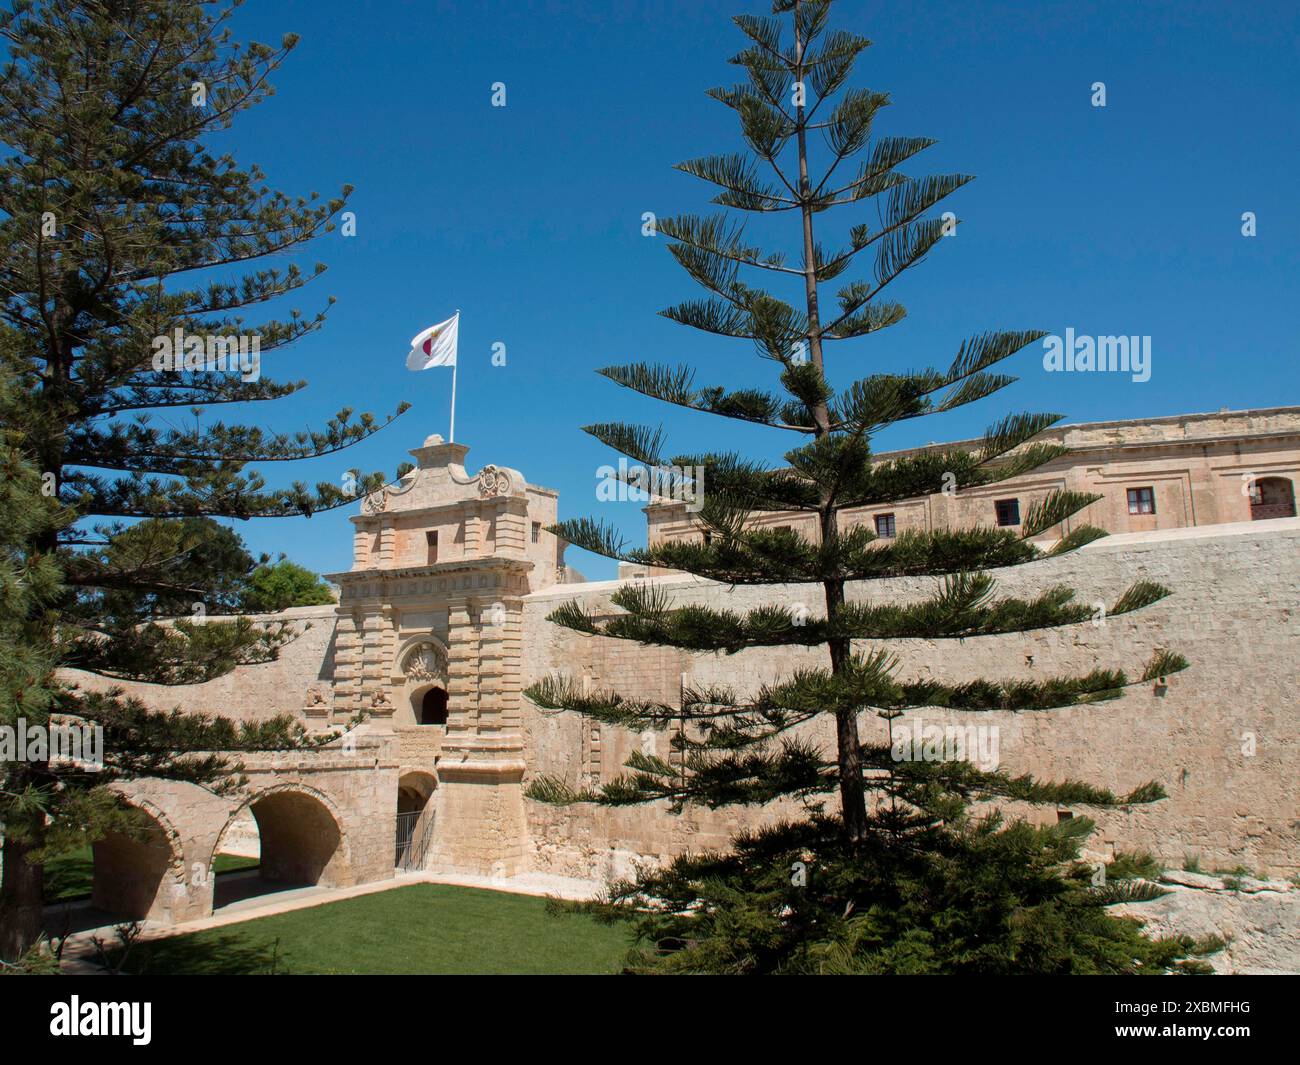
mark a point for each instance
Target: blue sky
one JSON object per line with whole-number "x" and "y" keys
{"x": 1117, "y": 220}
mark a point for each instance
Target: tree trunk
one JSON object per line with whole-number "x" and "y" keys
{"x": 853, "y": 792}
{"x": 853, "y": 796}
{"x": 21, "y": 890}
{"x": 821, "y": 417}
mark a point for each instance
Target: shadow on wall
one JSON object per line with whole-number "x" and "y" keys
{"x": 129, "y": 872}
{"x": 326, "y": 673}
{"x": 300, "y": 840}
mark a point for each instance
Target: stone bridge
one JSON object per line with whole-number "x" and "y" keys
{"x": 325, "y": 816}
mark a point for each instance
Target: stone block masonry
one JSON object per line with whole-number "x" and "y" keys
{"x": 441, "y": 623}
{"x": 1222, "y": 737}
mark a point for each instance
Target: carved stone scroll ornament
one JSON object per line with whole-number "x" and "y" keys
{"x": 493, "y": 482}
{"x": 377, "y": 501}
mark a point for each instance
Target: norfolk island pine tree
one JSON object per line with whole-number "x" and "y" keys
{"x": 120, "y": 228}
{"x": 914, "y": 880}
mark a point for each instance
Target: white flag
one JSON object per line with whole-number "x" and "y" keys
{"x": 435, "y": 346}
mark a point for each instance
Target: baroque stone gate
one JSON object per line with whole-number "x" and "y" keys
{"x": 429, "y": 629}
{"x": 424, "y": 692}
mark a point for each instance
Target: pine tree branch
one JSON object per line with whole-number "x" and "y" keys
{"x": 963, "y": 606}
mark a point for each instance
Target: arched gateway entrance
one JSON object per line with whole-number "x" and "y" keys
{"x": 420, "y": 674}
{"x": 415, "y": 820}
{"x": 433, "y": 707}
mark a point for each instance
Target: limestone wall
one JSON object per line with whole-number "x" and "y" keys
{"x": 1223, "y": 737}
{"x": 249, "y": 693}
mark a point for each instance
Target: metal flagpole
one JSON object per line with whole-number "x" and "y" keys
{"x": 451, "y": 436}
{"x": 451, "y": 433}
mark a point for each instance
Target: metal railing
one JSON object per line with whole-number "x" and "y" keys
{"x": 413, "y": 839}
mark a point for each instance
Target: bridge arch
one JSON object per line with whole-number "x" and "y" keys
{"x": 303, "y": 837}
{"x": 137, "y": 876}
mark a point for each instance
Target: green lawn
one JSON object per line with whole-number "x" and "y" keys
{"x": 68, "y": 877}
{"x": 424, "y": 928}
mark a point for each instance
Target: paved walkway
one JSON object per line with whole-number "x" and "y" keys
{"x": 79, "y": 951}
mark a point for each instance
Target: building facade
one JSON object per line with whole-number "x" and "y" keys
{"x": 1159, "y": 473}
{"x": 441, "y": 623}
{"x": 427, "y": 640}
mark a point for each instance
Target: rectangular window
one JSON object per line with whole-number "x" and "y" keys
{"x": 885, "y": 525}
{"x": 1008, "y": 511}
{"x": 537, "y": 531}
{"x": 1141, "y": 501}
{"x": 431, "y": 539}
{"x": 708, "y": 537}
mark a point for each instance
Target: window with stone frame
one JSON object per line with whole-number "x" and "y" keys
{"x": 1142, "y": 500}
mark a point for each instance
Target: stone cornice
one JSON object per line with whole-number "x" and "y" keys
{"x": 517, "y": 503}
{"x": 437, "y": 569}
